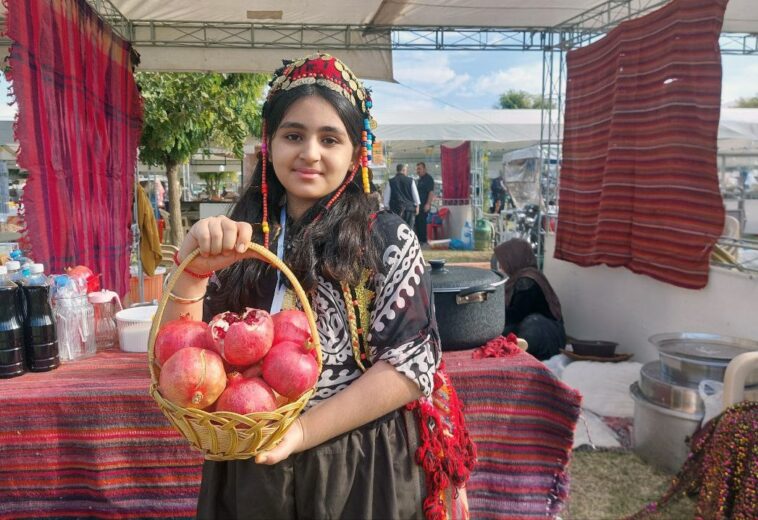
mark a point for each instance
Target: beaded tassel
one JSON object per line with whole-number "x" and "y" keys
{"x": 264, "y": 187}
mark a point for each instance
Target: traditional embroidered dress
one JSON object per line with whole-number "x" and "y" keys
{"x": 338, "y": 478}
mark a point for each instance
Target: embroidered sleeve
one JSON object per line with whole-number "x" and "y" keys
{"x": 403, "y": 329}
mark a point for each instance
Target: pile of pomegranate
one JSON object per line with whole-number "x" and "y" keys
{"x": 242, "y": 363}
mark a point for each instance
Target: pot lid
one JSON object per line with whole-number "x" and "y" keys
{"x": 455, "y": 277}
{"x": 702, "y": 346}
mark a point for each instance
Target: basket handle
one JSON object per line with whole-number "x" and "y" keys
{"x": 269, "y": 258}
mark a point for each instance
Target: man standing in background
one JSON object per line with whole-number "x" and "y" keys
{"x": 426, "y": 196}
{"x": 401, "y": 195}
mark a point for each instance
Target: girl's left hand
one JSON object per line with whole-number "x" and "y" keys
{"x": 292, "y": 442}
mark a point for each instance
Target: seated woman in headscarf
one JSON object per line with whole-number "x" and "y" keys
{"x": 532, "y": 309}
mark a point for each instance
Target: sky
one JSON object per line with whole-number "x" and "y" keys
{"x": 470, "y": 80}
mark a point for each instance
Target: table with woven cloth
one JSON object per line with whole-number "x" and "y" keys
{"x": 87, "y": 441}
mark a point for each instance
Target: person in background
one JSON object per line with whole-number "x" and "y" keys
{"x": 426, "y": 196}
{"x": 160, "y": 194}
{"x": 353, "y": 452}
{"x": 532, "y": 309}
{"x": 401, "y": 195}
{"x": 498, "y": 194}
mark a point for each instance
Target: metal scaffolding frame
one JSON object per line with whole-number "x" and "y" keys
{"x": 112, "y": 16}
{"x": 574, "y": 32}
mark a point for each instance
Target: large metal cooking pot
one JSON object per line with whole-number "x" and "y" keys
{"x": 469, "y": 303}
{"x": 689, "y": 357}
{"x": 660, "y": 435}
{"x": 661, "y": 391}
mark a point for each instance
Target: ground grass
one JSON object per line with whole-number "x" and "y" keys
{"x": 612, "y": 484}
{"x": 453, "y": 256}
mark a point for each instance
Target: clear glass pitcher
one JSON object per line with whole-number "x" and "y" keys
{"x": 106, "y": 304}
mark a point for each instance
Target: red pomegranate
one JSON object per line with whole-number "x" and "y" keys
{"x": 291, "y": 325}
{"x": 192, "y": 377}
{"x": 290, "y": 369}
{"x": 254, "y": 370}
{"x": 242, "y": 340}
{"x": 246, "y": 395}
{"x": 177, "y": 334}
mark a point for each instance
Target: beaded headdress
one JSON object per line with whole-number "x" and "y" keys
{"x": 326, "y": 70}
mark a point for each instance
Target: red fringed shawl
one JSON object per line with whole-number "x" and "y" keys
{"x": 446, "y": 453}
{"x": 78, "y": 127}
{"x": 639, "y": 185}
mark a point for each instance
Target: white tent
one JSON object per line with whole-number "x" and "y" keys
{"x": 514, "y": 129}
{"x": 181, "y": 35}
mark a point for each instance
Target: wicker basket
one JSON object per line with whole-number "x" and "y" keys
{"x": 227, "y": 435}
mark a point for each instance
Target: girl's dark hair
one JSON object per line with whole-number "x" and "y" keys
{"x": 338, "y": 246}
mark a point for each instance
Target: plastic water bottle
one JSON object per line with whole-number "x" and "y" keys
{"x": 39, "y": 322}
{"x": 468, "y": 236}
{"x": 74, "y": 319}
{"x": 11, "y": 329}
{"x": 14, "y": 271}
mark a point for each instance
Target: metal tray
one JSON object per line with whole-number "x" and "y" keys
{"x": 702, "y": 346}
{"x": 688, "y": 358}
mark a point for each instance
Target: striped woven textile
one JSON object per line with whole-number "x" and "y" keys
{"x": 639, "y": 184}
{"x": 522, "y": 420}
{"x": 78, "y": 128}
{"x": 87, "y": 441}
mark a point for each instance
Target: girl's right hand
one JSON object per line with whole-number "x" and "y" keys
{"x": 221, "y": 240}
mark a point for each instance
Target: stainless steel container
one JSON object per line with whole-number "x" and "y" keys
{"x": 660, "y": 435}
{"x": 656, "y": 386}
{"x": 689, "y": 357}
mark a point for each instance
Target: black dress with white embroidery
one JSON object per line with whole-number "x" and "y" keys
{"x": 402, "y": 332}
{"x": 369, "y": 472}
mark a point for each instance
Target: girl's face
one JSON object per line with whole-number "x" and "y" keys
{"x": 311, "y": 152}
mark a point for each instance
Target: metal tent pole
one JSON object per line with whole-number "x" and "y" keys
{"x": 136, "y": 236}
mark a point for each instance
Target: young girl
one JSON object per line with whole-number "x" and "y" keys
{"x": 352, "y": 453}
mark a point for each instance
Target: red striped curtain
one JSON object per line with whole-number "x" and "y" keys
{"x": 639, "y": 185}
{"x": 78, "y": 126}
{"x": 456, "y": 173}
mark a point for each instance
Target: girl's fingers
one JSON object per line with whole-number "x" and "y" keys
{"x": 201, "y": 235}
{"x": 229, "y": 238}
{"x": 244, "y": 236}
{"x": 216, "y": 232}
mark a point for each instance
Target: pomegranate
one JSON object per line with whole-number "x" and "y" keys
{"x": 254, "y": 370}
{"x": 177, "y": 334}
{"x": 242, "y": 340}
{"x": 192, "y": 377}
{"x": 246, "y": 395}
{"x": 291, "y": 325}
{"x": 290, "y": 369}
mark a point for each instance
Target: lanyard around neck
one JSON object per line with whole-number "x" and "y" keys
{"x": 276, "y": 302}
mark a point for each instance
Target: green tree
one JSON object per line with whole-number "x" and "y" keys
{"x": 521, "y": 99}
{"x": 515, "y": 99}
{"x": 184, "y": 112}
{"x": 214, "y": 180}
{"x": 748, "y": 102}
{"x": 539, "y": 102}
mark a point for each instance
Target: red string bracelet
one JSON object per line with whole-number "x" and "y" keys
{"x": 194, "y": 275}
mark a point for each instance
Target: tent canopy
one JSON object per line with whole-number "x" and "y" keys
{"x": 517, "y": 127}
{"x": 177, "y": 35}
{"x": 512, "y": 129}
{"x": 741, "y": 15}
